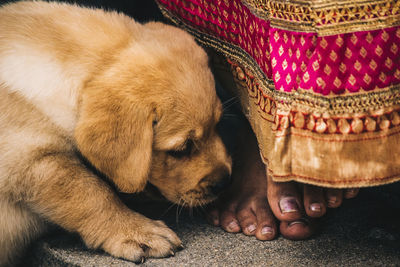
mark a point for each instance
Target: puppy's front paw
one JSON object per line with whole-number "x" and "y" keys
{"x": 136, "y": 242}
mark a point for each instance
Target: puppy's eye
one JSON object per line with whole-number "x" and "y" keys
{"x": 184, "y": 152}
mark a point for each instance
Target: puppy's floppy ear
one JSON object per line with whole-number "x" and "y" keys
{"x": 115, "y": 134}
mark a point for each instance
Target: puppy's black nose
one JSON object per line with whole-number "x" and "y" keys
{"x": 221, "y": 185}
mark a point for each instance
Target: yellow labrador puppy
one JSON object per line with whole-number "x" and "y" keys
{"x": 135, "y": 101}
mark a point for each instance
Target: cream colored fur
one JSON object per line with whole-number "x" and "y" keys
{"x": 129, "y": 98}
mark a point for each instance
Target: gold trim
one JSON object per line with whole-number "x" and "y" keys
{"x": 327, "y": 17}
{"x": 257, "y": 10}
{"x": 323, "y": 121}
{"x": 342, "y": 28}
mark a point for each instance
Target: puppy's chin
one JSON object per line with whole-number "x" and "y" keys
{"x": 191, "y": 198}
{"x": 194, "y": 199}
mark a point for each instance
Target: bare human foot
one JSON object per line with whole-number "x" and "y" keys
{"x": 295, "y": 205}
{"x": 253, "y": 201}
{"x": 244, "y": 206}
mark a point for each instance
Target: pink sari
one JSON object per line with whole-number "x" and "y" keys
{"x": 319, "y": 81}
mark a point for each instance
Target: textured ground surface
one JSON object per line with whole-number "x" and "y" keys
{"x": 364, "y": 232}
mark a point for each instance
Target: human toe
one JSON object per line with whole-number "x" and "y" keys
{"x": 351, "y": 192}
{"x": 314, "y": 202}
{"x": 266, "y": 222}
{"x": 298, "y": 229}
{"x": 284, "y": 200}
{"x": 212, "y": 214}
{"x": 334, "y": 197}
{"x": 247, "y": 220}
{"x": 229, "y": 221}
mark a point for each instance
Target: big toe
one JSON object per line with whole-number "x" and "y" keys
{"x": 284, "y": 200}
{"x": 298, "y": 229}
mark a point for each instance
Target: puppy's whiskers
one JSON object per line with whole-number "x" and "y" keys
{"x": 177, "y": 211}
{"x": 200, "y": 208}
{"x": 226, "y": 102}
{"x": 229, "y": 115}
{"x": 228, "y": 105}
{"x": 191, "y": 209}
{"x": 182, "y": 207}
{"x": 168, "y": 209}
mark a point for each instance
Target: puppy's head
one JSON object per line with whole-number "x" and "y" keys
{"x": 151, "y": 116}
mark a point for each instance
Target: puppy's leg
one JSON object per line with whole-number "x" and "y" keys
{"x": 18, "y": 226}
{"x": 65, "y": 192}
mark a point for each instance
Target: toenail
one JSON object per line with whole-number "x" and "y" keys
{"x": 332, "y": 200}
{"x": 267, "y": 230}
{"x": 295, "y": 222}
{"x": 251, "y": 228}
{"x": 316, "y": 207}
{"x": 232, "y": 226}
{"x": 351, "y": 192}
{"x": 288, "y": 204}
{"x": 302, "y": 221}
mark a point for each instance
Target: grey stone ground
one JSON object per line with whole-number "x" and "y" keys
{"x": 364, "y": 232}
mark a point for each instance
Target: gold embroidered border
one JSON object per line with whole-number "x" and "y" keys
{"x": 327, "y": 17}
{"x": 385, "y": 116}
{"x": 257, "y": 9}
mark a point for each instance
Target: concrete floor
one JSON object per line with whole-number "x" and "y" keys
{"x": 364, "y": 232}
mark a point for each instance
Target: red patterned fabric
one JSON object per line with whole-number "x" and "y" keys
{"x": 336, "y": 64}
